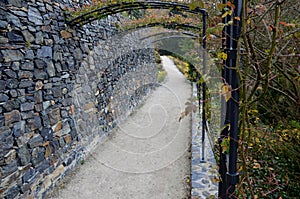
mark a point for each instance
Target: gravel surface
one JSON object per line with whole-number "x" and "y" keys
{"x": 146, "y": 156}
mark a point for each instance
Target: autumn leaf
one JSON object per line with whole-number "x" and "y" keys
{"x": 222, "y": 55}
{"x": 256, "y": 165}
{"x": 226, "y": 91}
{"x": 287, "y": 24}
{"x": 182, "y": 115}
{"x": 229, "y": 23}
{"x": 46, "y": 143}
{"x": 257, "y": 140}
{"x": 229, "y": 12}
{"x": 249, "y": 21}
{"x": 240, "y": 169}
{"x": 225, "y": 145}
{"x": 215, "y": 179}
{"x": 272, "y": 28}
{"x": 227, "y": 126}
{"x": 231, "y": 5}
{"x": 221, "y": 6}
{"x": 191, "y": 106}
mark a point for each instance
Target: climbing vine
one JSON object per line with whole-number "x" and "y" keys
{"x": 163, "y": 18}
{"x": 268, "y": 76}
{"x": 100, "y": 9}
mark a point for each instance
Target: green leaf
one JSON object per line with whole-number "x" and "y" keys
{"x": 225, "y": 145}
{"x": 221, "y": 6}
{"x": 200, "y": 4}
{"x": 193, "y": 5}
{"x": 196, "y": 3}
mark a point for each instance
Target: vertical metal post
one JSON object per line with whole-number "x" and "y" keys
{"x": 229, "y": 73}
{"x": 232, "y": 174}
{"x": 224, "y": 117}
{"x": 198, "y": 91}
{"x": 204, "y": 85}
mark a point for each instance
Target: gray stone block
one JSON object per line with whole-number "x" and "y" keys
{"x": 36, "y": 141}
{"x": 44, "y": 52}
{"x": 12, "y": 55}
{"x": 11, "y": 117}
{"x": 19, "y": 129}
{"x": 3, "y": 97}
{"x": 35, "y": 16}
{"x": 34, "y": 123}
{"x": 12, "y": 192}
{"x": 23, "y": 155}
{"x": 28, "y": 106}
{"x": 15, "y": 37}
{"x": 27, "y": 66}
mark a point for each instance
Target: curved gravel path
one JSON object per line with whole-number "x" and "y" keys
{"x": 145, "y": 157}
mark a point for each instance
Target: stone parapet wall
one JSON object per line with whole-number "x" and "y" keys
{"x": 62, "y": 90}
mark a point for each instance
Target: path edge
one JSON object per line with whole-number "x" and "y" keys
{"x": 203, "y": 174}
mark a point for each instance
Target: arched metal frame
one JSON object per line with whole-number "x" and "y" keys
{"x": 105, "y": 11}
{"x": 167, "y": 35}
{"x": 228, "y": 172}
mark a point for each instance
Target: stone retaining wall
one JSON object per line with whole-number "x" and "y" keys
{"x": 62, "y": 90}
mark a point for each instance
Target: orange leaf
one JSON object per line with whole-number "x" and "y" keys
{"x": 46, "y": 143}
{"x": 231, "y": 5}
{"x": 226, "y": 91}
{"x": 256, "y": 165}
{"x": 229, "y": 12}
{"x": 282, "y": 23}
{"x": 287, "y": 24}
{"x": 271, "y": 28}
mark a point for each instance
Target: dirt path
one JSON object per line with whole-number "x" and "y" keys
{"x": 147, "y": 156}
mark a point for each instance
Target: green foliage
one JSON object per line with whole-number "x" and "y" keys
{"x": 164, "y": 18}
{"x": 185, "y": 68}
{"x": 161, "y": 73}
{"x": 273, "y": 162}
{"x": 27, "y": 44}
{"x": 270, "y": 97}
{"x": 82, "y": 162}
{"x": 225, "y": 145}
{"x": 269, "y": 87}
{"x": 196, "y": 4}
